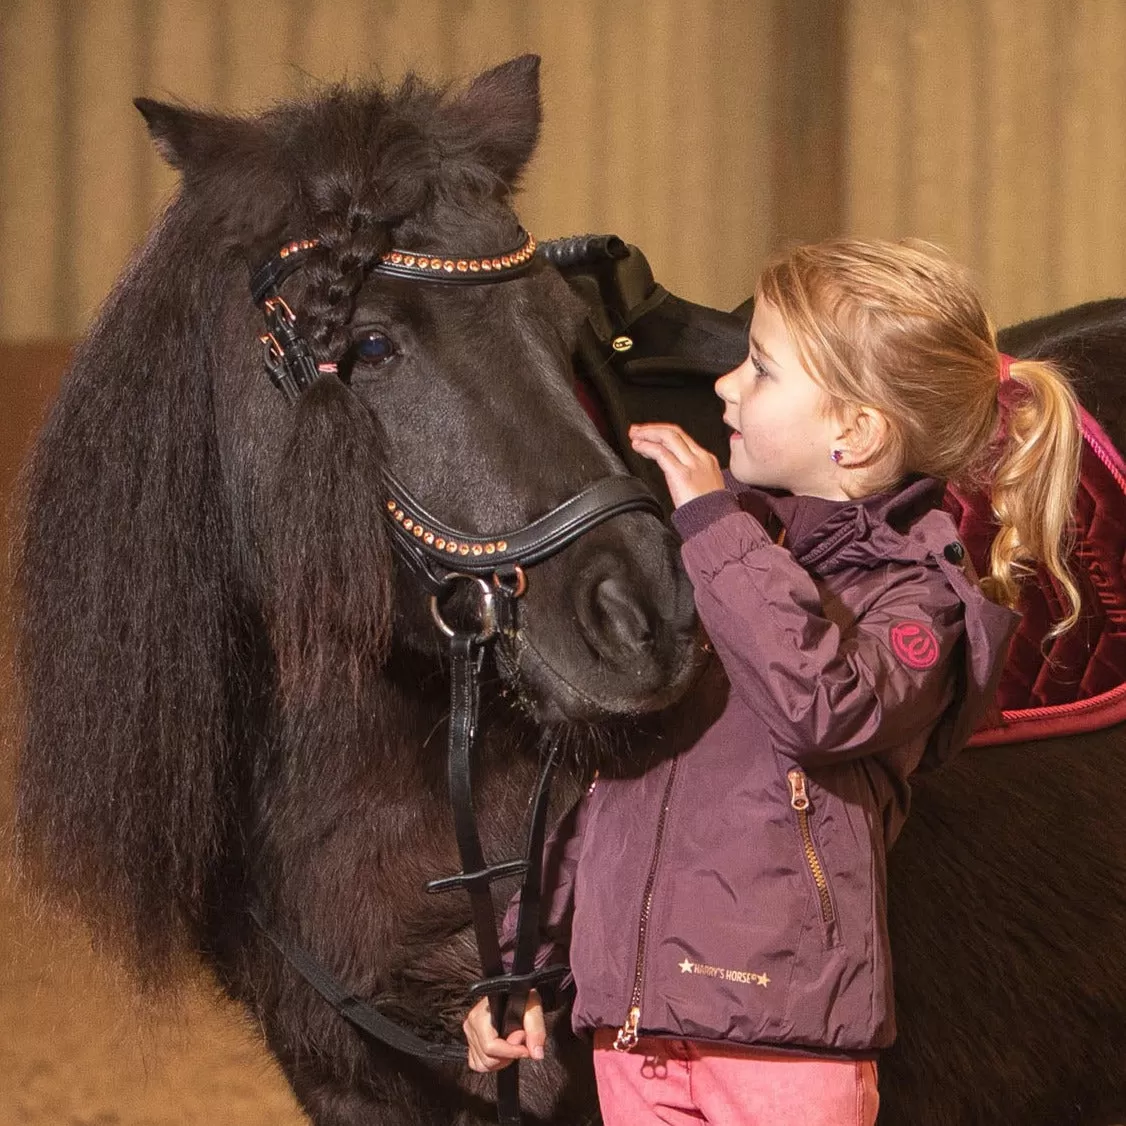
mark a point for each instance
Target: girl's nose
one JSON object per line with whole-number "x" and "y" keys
{"x": 724, "y": 387}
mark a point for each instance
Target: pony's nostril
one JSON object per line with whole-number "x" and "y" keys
{"x": 613, "y": 620}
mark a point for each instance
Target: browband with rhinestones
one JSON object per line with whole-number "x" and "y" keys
{"x": 404, "y": 264}
{"x": 441, "y": 543}
{"x": 412, "y": 264}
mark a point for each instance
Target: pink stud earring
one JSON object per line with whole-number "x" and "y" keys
{"x": 836, "y": 456}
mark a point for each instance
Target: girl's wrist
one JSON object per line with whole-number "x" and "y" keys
{"x": 695, "y": 515}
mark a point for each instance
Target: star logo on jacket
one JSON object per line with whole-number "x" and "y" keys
{"x": 743, "y": 977}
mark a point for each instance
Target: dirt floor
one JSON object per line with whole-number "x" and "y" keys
{"x": 76, "y": 1048}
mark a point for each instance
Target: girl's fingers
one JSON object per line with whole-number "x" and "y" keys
{"x": 668, "y": 437}
{"x": 495, "y": 1055}
{"x": 534, "y": 1026}
{"x": 686, "y": 479}
{"x": 649, "y": 429}
{"x": 651, "y": 449}
{"x": 670, "y": 465}
{"x": 489, "y": 1052}
{"x": 504, "y": 1050}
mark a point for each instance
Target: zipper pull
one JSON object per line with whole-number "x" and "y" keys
{"x": 799, "y": 797}
{"x": 627, "y": 1034}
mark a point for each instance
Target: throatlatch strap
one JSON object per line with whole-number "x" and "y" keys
{"x": 352, "y": 1008}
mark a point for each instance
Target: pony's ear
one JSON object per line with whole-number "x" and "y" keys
{"x": 501, "y": 112}
{"x": 251, "y": 208}
{"x": 190, "y": 139}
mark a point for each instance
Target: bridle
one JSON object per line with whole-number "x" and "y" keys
{"x": 441, "y": 558}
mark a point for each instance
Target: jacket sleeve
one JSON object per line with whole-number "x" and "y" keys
{"x": 826, "y": 690}
{"x": 560, "y": 861}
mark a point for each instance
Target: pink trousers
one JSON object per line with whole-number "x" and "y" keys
{"x": 682, "y": 1082}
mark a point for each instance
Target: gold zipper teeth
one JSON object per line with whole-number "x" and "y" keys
{"x": 799, "y": 802}
{"x": 815, "y": 868}
{"x": 627, "y": 1034}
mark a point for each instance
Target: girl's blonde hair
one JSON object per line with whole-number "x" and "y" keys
{"x": 900, "y": 327}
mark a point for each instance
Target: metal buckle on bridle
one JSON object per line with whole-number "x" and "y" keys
{"x": 288, "y": 358}
{"x": 496, "y": 607}
{"x": 486, "y": 609}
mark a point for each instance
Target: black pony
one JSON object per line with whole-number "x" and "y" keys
{"x": 233, "y": 693}
{"x": 254, "y": 697}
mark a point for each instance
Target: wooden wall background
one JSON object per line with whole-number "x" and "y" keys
{"x": 706, "y": 131}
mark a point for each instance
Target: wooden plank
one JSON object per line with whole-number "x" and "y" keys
{"x": 942, "y": 139}
{"x": 1106, "y": 268}
{"x": 33, "y": 199}
{"x": 876, "y": 117}
{"x": 259, "y": 56}
{"x": 809, "y": 75}
{"x": 740, "y": 231}
{"x": 569, "y": 149}
{"x": 107, "y": 138}
{"x": 1021, "y": 140}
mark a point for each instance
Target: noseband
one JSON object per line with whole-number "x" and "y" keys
{"x": 441, "y": 557}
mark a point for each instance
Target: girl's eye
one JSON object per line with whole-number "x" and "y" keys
{"x": 758, "y": 366}
{"x": 373, "y": 348}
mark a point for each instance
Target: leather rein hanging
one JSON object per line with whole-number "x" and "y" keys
{"x": 441, "y": 558}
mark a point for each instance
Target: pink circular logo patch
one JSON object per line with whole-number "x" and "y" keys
{"x": 914, "y": 644}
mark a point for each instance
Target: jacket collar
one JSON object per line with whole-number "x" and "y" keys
{"x": 905, "y": 524}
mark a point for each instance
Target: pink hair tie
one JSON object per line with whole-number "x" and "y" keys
{"x": 1007, "y": 362}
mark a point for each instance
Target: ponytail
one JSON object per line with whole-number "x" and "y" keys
{"x": 1034, "y": 482}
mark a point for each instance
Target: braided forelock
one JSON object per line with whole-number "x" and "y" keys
{"x": 365, "y": 161}
{"x": 334, "y": 276}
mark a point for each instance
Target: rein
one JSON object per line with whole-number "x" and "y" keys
{"x": 441, "y": 557}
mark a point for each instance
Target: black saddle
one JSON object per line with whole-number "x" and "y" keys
{"x": 644, "y": 354}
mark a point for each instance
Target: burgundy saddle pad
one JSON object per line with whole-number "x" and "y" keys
{"x": 1076, "y": 682}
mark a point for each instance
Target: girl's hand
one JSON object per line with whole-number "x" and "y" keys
{"x": 690, "y": 470}
{"x": 489, "y": 1052}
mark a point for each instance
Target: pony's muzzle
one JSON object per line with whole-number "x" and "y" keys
{"x": 613, "y": 619}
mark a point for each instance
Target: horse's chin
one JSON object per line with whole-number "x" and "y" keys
{"x": 552, "y": 695}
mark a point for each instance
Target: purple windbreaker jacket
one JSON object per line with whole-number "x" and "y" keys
{"x": 738, "y": 891}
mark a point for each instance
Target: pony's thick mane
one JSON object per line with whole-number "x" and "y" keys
{"x": 126, "y": 614}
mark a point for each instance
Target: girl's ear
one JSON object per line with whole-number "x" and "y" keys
{"x": 863, "y": 436}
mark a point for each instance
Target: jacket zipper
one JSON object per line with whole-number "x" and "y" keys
{"x": 799, "y": 802}
{"x": 627, "y": 1034}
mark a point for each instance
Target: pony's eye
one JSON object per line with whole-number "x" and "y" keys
{"x": 373, "y": 348}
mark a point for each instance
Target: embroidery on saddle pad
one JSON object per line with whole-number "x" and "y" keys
{"x": 1076, "y": 682}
